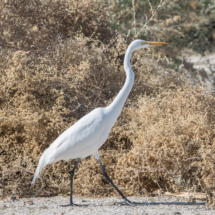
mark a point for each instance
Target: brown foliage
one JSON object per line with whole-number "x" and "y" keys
{"x": 165, "y": 131}
{"x": 42, "y": 95}
{"x": 35, "y": 24}
{"x": 173, "y": 142}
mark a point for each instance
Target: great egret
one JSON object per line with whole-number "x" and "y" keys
{"x": 88, "y": 134}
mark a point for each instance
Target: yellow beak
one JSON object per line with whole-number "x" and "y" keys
{"x": 154, "y": 43}
{"x": 157, "y": 43}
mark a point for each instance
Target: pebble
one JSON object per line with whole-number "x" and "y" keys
{"x": 158, "y": 205}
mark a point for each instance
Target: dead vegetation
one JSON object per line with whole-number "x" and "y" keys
{"x": 163, "y": 139}
{"x": 32, "y": 25}
{"x": 187, "y": 25}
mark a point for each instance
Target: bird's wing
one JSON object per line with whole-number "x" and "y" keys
{"x": 83, "y": 133}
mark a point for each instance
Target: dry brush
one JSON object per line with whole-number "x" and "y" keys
{"x": 163, "y": 138}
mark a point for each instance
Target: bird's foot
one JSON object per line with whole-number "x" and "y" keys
{"x": 72, "y": 204}
{"x": 125, "y": 202}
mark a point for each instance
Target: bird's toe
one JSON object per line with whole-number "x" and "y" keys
{"x": 72, "y": 204}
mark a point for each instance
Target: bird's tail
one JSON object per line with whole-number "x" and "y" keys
{"x": 40, "y": 167}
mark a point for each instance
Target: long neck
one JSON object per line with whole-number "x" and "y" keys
{"x": 116, "y": 106}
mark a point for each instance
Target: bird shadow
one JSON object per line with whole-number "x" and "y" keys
{"x": 172, "y": 203}
{"x": 153, "y": 203}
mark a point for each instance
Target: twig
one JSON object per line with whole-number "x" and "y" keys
{"x": 153, "y": 14}
{"x": 134, "y": 15}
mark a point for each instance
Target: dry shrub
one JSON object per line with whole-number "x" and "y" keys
{"x": 173, "y": 142}
{"x": 188, "y": 26}
{"x": 35, "y": 24}
{"x": 45, "y": 91}
{"x": 43, "y": 94}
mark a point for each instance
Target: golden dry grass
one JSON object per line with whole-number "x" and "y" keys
{"x": 164, "y": 137}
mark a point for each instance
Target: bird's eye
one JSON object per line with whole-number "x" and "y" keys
{"x": 143, "y": 43}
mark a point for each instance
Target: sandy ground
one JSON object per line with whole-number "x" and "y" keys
{"x": 160, "y": 205}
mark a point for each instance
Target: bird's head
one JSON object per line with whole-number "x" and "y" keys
{"x": 138, "y": 44}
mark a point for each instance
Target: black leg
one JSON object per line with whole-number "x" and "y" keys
{"x": 71, "y": 184}
{"x": 109, "y": 180}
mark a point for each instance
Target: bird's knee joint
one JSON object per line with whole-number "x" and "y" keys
{"x": 71, "y": 172}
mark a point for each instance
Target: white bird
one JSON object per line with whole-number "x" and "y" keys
{"x": 88, "y": 134}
